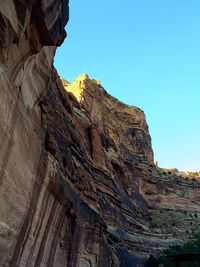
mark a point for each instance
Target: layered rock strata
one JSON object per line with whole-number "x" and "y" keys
{"x": 30, "y": 31}
{"x": 78, "y": 186}
{"x": 156, "y": 200}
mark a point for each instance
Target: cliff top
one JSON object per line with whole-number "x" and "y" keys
{"x": 84, "y": 82}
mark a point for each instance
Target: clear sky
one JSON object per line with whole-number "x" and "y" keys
{"x": 147, "y": 54}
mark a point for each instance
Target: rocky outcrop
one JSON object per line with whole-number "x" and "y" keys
{"x": 78, "y": 185}
{"x": 145, "y": 217}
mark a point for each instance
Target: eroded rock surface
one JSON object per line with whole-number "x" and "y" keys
{"x": 29, "y": 34}
{"x": 78, "y": 184}
{"x": 146, "y": 218}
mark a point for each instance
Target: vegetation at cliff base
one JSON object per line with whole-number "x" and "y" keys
{"x": 187, "y": 255}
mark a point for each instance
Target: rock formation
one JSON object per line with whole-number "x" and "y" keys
{"x": 78, "y": 184}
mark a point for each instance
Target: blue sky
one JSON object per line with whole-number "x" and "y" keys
{"x": 146, "y": 53}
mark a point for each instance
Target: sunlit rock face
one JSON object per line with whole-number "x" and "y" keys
{"x": 78, "y": 186}
{"x": 123, "y": 129}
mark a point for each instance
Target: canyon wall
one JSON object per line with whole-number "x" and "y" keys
{"x": 78, "y": 184}
{"x": 30, "y": 31}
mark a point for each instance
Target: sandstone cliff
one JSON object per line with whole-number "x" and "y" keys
{"x": 78, "y": 186}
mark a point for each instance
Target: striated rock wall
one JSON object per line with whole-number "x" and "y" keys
{"x": 29, "y": 34}
{"x": 78, "y": 186}
{"x": 123, "y": 126}
{"x": 151, "y": 201}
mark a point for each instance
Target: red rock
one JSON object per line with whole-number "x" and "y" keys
{"x": 78, "y": 186}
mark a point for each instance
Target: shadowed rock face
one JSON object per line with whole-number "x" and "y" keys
{"x": 78, "y": 186}
{"x": 29, "y": 34}
{"x": 144, "y": 204}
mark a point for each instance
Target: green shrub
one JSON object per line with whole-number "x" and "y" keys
{"x": 174, "y": 256}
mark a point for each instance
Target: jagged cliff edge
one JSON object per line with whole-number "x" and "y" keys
{"x": 77, "y": 178}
